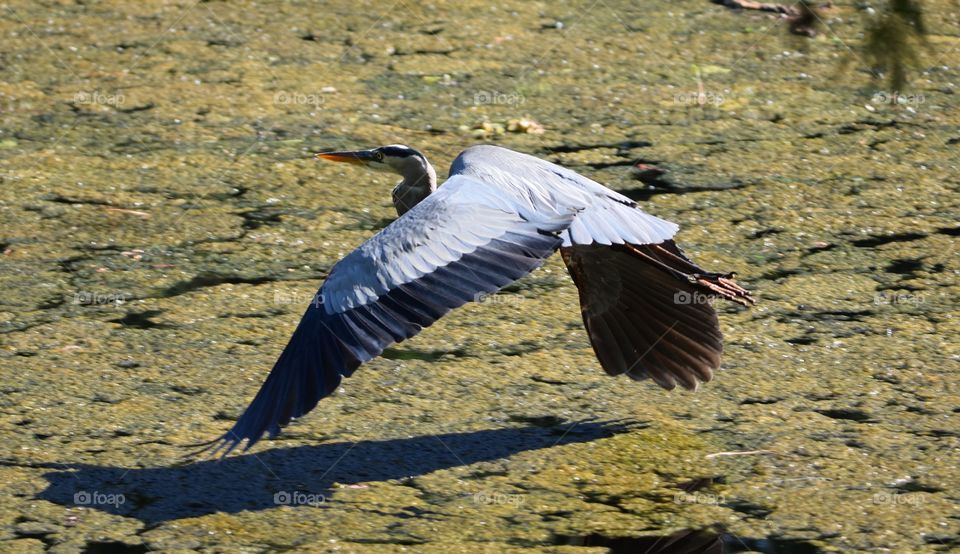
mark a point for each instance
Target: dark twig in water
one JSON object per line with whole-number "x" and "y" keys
{"x": 803, "y": 17}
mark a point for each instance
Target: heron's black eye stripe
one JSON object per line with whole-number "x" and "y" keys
{"x": 397, "y": 152}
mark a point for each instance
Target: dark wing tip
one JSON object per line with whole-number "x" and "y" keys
{"x": 330, "y": 345}
{"x": 227, "y": 443}
{"x": 310, "y": 368}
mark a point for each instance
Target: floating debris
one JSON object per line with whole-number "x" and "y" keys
{"x": 489, "y": 129}
{"x": 525, "y": 125}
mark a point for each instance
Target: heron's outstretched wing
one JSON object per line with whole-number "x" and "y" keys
{"x": 647, "y": 311}
{"x": 608, "y": 217}
{"x": 643, "y": 302}
{"x": 465, "y": 240}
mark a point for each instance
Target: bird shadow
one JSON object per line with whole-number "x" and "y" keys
{"x": 293, "y": 475}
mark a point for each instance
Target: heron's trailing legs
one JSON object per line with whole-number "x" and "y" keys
{"x": 668, "y": 257}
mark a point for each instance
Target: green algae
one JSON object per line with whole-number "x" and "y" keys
{"x": 163, "y": 225}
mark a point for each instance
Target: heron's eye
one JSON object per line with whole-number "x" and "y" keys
{"x": 379, "y": 156}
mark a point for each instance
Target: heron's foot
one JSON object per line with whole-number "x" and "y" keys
{"x": 722, "y": 285}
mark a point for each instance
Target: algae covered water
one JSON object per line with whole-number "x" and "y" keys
{"x": 163, "y": 224}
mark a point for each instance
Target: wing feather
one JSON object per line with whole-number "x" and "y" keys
{"x": 608, "y": 217}
{"x": 401, "y": 280}
{"x": 637, "y": 320}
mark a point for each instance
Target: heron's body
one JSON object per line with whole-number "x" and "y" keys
{"x": 498, "y": 216}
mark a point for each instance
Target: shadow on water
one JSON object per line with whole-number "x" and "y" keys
{"x": 688, "y": 541}
{"x": 305, "y": 474}
{"x": 259, "y": 481}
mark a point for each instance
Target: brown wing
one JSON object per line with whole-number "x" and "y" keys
{"x": 647, "y": 312}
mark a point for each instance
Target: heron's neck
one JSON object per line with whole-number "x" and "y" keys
{"x": 419, "y": 180}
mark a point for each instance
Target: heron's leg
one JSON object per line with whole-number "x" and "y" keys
{"x": 667, "y": 257}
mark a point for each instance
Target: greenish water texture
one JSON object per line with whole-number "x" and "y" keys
{"x": 162, "y": 226}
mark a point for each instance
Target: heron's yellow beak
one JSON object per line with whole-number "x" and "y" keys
{"x": 360, "y": 157}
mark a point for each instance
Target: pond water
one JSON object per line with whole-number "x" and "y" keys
{"x": 163, "y": 224}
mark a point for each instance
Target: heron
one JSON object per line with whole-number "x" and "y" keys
{"x": 498, "y": 216}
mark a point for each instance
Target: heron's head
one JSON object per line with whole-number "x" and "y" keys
{"x": 395, "y": 158}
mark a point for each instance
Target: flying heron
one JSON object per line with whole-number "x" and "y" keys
{"x": 497, "y": 217}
